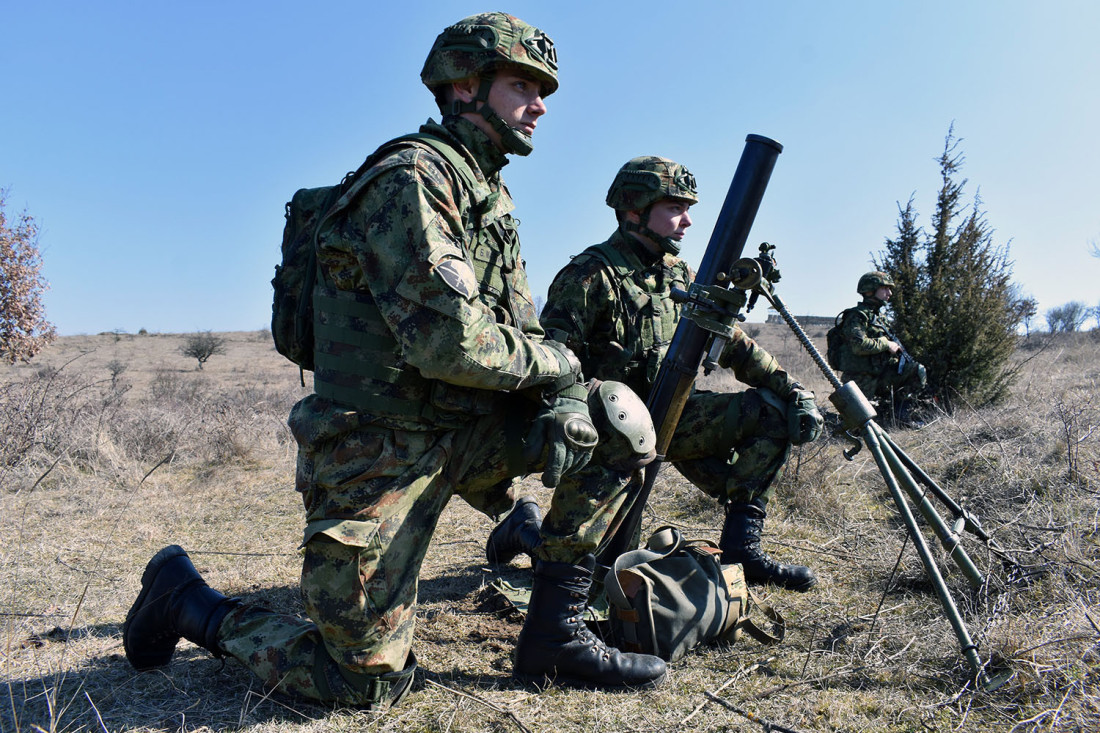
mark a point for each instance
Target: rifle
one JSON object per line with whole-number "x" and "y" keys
{"x": 707, "y": 309}
{"x": 903, "y": 355}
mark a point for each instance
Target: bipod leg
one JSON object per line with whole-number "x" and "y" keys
{"x": 871, "y": 436}
{"x": 970, "y": 521}
{"x": 948, "y": 536}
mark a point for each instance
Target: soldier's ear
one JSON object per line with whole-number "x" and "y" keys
{"x": 464, "y": 90}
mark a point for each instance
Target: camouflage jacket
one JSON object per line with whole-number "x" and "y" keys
{"x": 865, "y": 347}
{"x": 611, "y": 305}
{"x": 423, "y": 306}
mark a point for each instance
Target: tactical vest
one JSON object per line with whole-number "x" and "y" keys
{"x": 853, "y": 363}
{"x": 358, "y": 360}
{"x": 647, "y": 312}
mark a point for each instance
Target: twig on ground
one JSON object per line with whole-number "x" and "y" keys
{"x": 889, "y": 582}
{"x": 779, "y": 688}
{"x": 98, "y": 717}
{"x": 763, "y": 722}
{"x": 266, "y": 697}
{"x": 740, "y": 673}
{"x": 481, "y": 701}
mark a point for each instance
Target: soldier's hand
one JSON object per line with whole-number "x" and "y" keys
{"x": 563, "y": 430}
{"x": 804, "y": 421}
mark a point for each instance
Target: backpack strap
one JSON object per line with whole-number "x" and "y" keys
{"x": 355, "y": 182}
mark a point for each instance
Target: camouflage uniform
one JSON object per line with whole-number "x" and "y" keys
{"x": 374, "y": 482}
{"x": 611, "y": 305}
{"x": 865, "y": 356}
{"x": 431, "y": 367}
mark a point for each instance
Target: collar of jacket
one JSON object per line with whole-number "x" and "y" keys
{"x": 872, "y": 304}
{"x": 635, "y": 252}
{"x": 488, "y": 158}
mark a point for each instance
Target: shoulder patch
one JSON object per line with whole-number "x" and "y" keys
{"x": 459, "y": 276}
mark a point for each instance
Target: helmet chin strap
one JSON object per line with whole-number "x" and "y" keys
{"x": 511, "y": 139}
{"x": 668, "y": 245}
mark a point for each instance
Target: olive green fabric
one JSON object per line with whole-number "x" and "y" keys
{"x": 674, "y": 594}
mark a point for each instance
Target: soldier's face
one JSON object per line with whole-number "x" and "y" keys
{"x": 670, "y": 218}
{"x": 884, "y": 294}
{"x": 517, "y": 98}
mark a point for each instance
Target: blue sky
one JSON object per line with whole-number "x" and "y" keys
{"x": 157, "y": 142}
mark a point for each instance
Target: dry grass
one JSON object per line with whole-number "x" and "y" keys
{"x": 107, "y": 457}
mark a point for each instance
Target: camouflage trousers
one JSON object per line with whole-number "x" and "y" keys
{"x": 889, "y": 383}
{"x": 731, "y": 445}
{"x": 373, "y": 498}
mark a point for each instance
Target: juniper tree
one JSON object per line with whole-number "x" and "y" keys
{"x": 955, "y": 306}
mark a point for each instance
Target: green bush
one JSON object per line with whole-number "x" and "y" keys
{"x": 955, "y": 306}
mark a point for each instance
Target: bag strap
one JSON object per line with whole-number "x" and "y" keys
{"x": 747, "y": 625}
{"x": 665, "y": 541}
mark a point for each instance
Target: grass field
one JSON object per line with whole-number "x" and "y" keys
{"x": 112, "y": 446}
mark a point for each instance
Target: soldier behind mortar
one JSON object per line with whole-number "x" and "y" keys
{"x": 873, "y": 358}
{"x": 433, "y": 379}
{"x": 612, "y": 306}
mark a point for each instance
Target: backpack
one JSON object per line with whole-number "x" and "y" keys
{"x": 675, "y": 594}
{"x": 306, "y": 213}
{"x": 834, "y": 343}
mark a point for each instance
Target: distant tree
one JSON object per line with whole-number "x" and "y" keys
{"x": 954, "y": 305}
{"x": 24, "y": 330}
{"x": 1095, "y": 311}
{"x": 1067, "y": 318}
{"x": 1026, "y": 307}
{"x": 203, "y": 345}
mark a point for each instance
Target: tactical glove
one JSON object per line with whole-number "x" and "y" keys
{"x": 563, "y": 430}
{"x": 804, "y": 421}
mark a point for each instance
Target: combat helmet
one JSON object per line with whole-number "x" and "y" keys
{"x": 476, "y": 47}
{"x": 870, "y": 282}
{"x": 642, "y": 182}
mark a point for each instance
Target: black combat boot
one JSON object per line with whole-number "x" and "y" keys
{"x": 174, "y": 602}
{"x": 740, "y": 543}
{"x": 556, "y": 646}
{"x": 518, "y": 532}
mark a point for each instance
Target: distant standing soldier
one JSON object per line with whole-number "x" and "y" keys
{"x": 872, "y": 357}
{"x": 431, "y": 369}
{"x": 612, "y": 306}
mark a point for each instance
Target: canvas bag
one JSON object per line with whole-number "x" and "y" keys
{"x": 674, "y": 594}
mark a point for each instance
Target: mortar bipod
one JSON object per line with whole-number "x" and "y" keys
{"x": 895, "y": 466}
